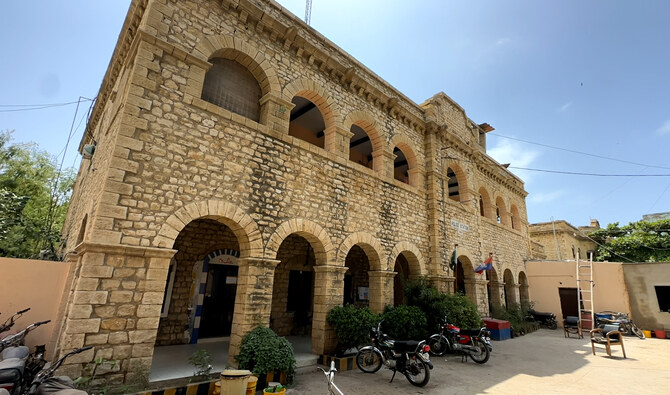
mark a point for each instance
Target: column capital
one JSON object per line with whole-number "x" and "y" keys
{"x": 258, "y": 262}
{"x": 330, "y": 268}
{"x": 382, "y": 273}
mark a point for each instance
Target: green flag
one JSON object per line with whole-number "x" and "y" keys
{"x": 454, "y": 258}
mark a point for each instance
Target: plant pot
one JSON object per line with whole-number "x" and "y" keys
{"x": 660, "y": 334}
{"x": 280, "y": 392}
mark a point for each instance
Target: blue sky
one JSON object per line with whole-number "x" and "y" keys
{"x": 588, "y": 76}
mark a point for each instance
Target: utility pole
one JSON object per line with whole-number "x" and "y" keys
{"x": 308, "y": 11}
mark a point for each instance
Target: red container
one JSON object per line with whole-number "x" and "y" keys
{"x": 659, "y": 334}
{"x": 492, "y": 323}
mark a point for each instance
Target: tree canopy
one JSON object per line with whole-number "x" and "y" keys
{"x": 33, "y": 200}
{"x": 640, "y": 241}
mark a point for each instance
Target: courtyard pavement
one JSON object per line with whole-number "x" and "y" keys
{"x": 543, "y": 362}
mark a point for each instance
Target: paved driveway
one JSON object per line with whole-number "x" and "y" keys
{"x": 543, "y": 362}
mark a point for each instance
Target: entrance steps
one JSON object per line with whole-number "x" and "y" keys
{"x": 305, "y": 363}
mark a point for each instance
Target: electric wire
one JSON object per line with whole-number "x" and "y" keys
{"x": 659, "y": 197}
{"x": 605, "y": 248}
{"x": 31, "y": 107}
{"x": 579, "y": 152}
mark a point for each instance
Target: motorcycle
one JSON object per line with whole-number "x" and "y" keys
{"x": 45, "y": 383}
{"x": 546, "y": 319}
{"x": 407, "y": 357}
{"x": 18, "y": 366}
{"x": 475, "y": 343}
{"x": 9, "y": 322}
{"x": 626, "y": 325}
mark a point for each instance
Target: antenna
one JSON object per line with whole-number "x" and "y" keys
{"x": 308, "y": 11}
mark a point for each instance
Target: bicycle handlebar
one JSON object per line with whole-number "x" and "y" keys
{"x": 23, "y": 311}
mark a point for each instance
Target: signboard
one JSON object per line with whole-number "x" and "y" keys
{"x": 459, "y": 226}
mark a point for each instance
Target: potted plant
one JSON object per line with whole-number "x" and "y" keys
{"x": 275, "y": 389}
{"x": 268, "y": 356}
{"x": 352, "y": 327}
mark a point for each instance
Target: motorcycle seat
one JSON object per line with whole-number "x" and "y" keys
{"x": 11, "y": 370}
{"x": 541, "y": 313}
{"x": 15, "y": 352}
{"x": 470, "y": 332}
{"x": 408, "y": 345}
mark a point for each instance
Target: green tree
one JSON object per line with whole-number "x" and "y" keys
{"x": 34, "y": 198}
{"x": 640, "y": 241}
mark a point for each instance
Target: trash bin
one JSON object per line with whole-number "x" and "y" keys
{"x": 234, "y": 382}
{"x": 251, "y": 385}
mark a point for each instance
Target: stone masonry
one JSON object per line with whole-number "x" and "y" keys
{"x": 174, "y": 176}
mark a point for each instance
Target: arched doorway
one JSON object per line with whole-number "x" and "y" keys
{"x": 508, "y": 280}
{"x": 356, "y": 279}
{"x": 400, "y": 280}
{"x": 464, "y": 274}
{"x": 524, "y": 295}
{"x": 200, "y": 289}
{"x": 293, "y": 292}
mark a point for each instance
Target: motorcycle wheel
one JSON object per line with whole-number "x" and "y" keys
{"x": 368, "y": 361}
{"x": 438, "y": 346}
{"x": 417, "y": 372}
{"x": 637, "y": 331}
{"x": 552, "y": 325}
{"x": 483, "y": 354}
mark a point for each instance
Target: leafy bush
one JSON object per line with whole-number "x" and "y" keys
{"x": 516, "y": 315}
{"x": 202, "y": 361}
{"x": 352, "y": 326}
{"x": 432, "y": 302}
{"x": 263, "y": 351}
{"x": 404, "y": 322}
{"x": 463, "y": 312}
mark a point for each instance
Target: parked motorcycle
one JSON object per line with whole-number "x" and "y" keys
{"x": 9, "y": 322}
{"x": 626, "y": 325}
{"x": 18, "y": 366}
{"x": 45, "y": 382}
{"x": 545, "y": 319}
{"x": 407, "y": 357}
{"x": 475, "y": 343}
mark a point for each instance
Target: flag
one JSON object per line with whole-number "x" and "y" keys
{"x": 454, "y": 258}
{"x": 487, "y": 265}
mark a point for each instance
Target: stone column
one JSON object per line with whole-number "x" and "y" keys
{"x": 416, "y": 177}
{"x": 338, "y": 140}
{"x": 115, "y": 307}
{"x": 383, "y": 162}
{"x": 475, "y": 290}
{"x": 381, "y": 289}
{"x": 497, "y": 294}
{"x": 275, "y": 113}
{"x": 328, "y": 293}
{"x": 512, "y": 293}
{"x": 253, "y": 299}
{"x": 443, "y": 283}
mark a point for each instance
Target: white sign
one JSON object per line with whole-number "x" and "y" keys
{"x": 461, "y": 227}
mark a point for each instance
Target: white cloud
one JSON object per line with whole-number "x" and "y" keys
{"x": 545, "y": 197}
{"x": 665, "y": 129}
{"x": 565, "y": 106}
{"x": 514, "y": 153}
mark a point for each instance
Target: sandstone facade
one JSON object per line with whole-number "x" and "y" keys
{"x": 561, "y": 240}
{"x": 175, "y": 178}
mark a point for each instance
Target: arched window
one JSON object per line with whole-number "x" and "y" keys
{"x": 514, "y": 217}
{"x": 481, "y": 206}
{"x": 573, "y": 252}
{"x": 452, "y": 183}
{"x": 230, "y": 85}
{"x": 498, "y": 214}
{"x": 307, "y": 122}
{"x": 360, "y": 148}
{"x": 400, "y": 166}
{"x": 82, "y": 229}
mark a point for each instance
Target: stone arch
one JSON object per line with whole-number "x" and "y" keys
{"x": 318, "y": 95}
{"x": 234, "y": 48}
{"x": 502, "y": 211}
{"x": 373, "y": 249}
{"x": 487, "y": 208}
{"x": 409, "y": 150}
{"x": 524, "y": 294}
{"x": 239, "y": 222}
{"x": 463, "y": 189}
{"x": 367, "y": 122}
{"x": 324, "y": 252}
{"x": 414, "y": 258}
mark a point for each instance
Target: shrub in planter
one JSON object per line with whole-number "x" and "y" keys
{"x": 352, "y": 326}
{"x": 262, "y": 351}
{"x": 404, "y": 322}
{"x": 432, "y": 302}
{"x": 463, "y": 312}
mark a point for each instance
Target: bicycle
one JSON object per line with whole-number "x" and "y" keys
{"x": 330, "y": 376}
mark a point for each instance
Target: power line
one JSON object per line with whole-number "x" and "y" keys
{"x": 32, "y": 107}
{"x": 579, "y": 152}
{"x": 574, "y": 173}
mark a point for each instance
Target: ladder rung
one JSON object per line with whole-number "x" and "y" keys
{"x": 584, "y": 265}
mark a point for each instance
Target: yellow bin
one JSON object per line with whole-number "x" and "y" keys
{"x": 251, "y": 385}
{"x": 647, "y": 334}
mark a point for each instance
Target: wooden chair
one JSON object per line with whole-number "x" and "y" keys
{"x": 572, "y": 324}
{"x": 608, "y": 335}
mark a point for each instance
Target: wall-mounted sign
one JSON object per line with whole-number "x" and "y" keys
{"x": 461, "y": 227}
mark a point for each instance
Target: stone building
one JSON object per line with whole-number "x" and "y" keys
{"x": 248, "y": 171}
{"x": 562, "y": 241}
